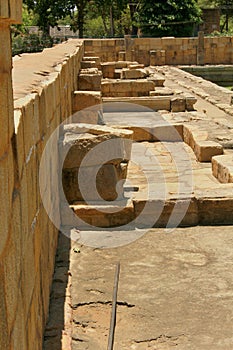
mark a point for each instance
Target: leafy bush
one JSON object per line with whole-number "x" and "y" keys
{"x": 30, "y": 43}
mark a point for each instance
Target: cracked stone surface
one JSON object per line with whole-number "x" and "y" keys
{"x": 175, "y": 291}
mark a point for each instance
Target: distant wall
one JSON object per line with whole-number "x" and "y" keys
{"x": 63, "y": 31}
{"x": 217, "y": 50}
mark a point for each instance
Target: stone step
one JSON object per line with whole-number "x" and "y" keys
{"x": 104, "y": 215}
{"x": 86, "y": 105}
{"x": 88, "y": 64}
{"x": 222, "y": 168}
{"x": 154, "y": 103}
{"x": 198, "y": 140}
{"x": 126, "y": 88}
{"x": 180, "y": 212}
{"x": 89, "y": 80}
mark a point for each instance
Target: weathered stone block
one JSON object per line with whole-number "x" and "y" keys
{"x": 163, "y": 91}
{"x": 222, "y": 168}
{"x": 104, "y": 185}
{"x": 157, "y": 58}
{"x": 90, "y": 81}
{"x": 154, "y": 102}
{"x": 214, "y": 211}
{"x": 85, "y": 99}
{"x": 133, "y": 73}
{"x": 205, "y": 150}
{"x": 178, "y": 104}
{"x": 98, "y": 176}
{"x": 121, "y": 213}
{"x": 6, "y": 191}
{"x": 108, "y": 69}
{"x": 157, "y": 80}
{"x": 88, "y": 64}
{"x": 80, "y": 139}
{"x": 6, "y": 106}
{"x": 121, "y": 55}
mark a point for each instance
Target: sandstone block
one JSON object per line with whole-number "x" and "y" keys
{"x": 135, "y": 66}
{"x": 222, "y": 168}
{"x": 121, "y": 55}
{"x": 133, "y": 73}
{"x": 121, "y": 213}
{"x": 85, "y": 99}
{"x": 178, "y": 104}
{"x": 157, "y": 58}
{"x": 214, "y": 211}
{"x": 6, "y": 102}
{"x": 80, "y": 139}
{"x": 103, "y": 187}
{"x": 100, "y": 173}
{"x": 108, "y": 69}
{"x": 88, "y": 64}
{"x": 154, "y": 102}
{"x": 157, "y": 80}
{"x": 7, "y": 181}
{"x": 205, "y": 150}
{"x": 163, "y": 91}
{"x": 90, "y": 81}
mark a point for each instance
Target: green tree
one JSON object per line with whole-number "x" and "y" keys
{"x": 168, "y": 18}
{"x": 110, "y": 12}
{"x": 49, "y": 11}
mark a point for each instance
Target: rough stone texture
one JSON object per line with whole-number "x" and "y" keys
{"x": 85, "y": 99}
{"x": 122, "y": 88}
{"x": 89, "y": 81}
{"x": 222, "y": 168}
{"x": 182, "y": 298}
{"x": 88, "y": 64}
{"x": 178, "y": 104}
{"x": 11, "y": 11}
{"x": 109, "y": 163}
{"x": 83, "y": 106}
{"x": 43, "y": 98}
{"x": 131, "y": 73}
{"x": 162, "y": 91}
{"x": 154, "y": 102}
{"x": 204, "y": 149}
{"x": 157, "y": 57}
{"x": 157, "y": 80}
{"x": 108, "y": 69}
{"x": 99, "y": 215}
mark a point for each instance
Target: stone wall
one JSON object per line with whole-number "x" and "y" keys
{"x": 217, "y": 50}
{"x": 42, "y": 99}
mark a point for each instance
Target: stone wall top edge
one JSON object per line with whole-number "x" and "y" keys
{"x": 41, "y": 68}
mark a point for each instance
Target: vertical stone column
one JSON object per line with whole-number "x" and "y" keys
{"x": 201, "y": 49}
{"x": 128, "y": 47}
{"x": 9, "y": 13}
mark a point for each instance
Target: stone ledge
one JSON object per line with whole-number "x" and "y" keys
{"x": 222, "y": 168}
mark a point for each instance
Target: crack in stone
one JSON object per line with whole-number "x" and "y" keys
{"x": 164, "y": 338}
{"x": 120, "y": 303}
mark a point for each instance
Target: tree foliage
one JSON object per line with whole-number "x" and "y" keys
{"x": 49, "y": 11}
{"x": 168, "y": 18}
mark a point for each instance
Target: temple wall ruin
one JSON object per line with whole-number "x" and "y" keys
{"x": 171, "y": 51}
{"x": 28, "y": 238}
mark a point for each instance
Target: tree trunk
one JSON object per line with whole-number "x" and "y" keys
{"x": 132, "y": 8}
{"x": 111, "y": 22}
{"x": 81, "y": 7}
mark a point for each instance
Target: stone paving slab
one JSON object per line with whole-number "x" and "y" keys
{"x": 175, "y": 291}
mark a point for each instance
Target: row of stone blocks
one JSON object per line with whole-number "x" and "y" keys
{"x": 195, "y": 211}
